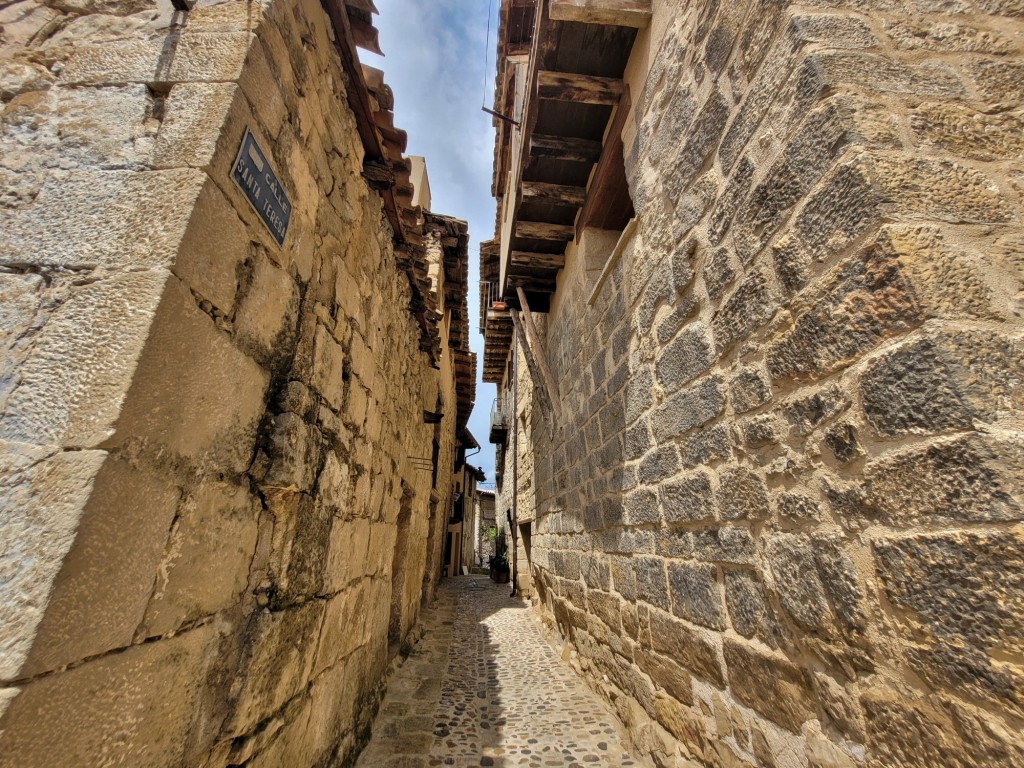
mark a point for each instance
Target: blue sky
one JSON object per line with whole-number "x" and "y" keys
{"x": 434, "y": 61}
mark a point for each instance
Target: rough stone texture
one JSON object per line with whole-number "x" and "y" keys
{"x": 213, "y": 532}
{"x": 821, "y": 447}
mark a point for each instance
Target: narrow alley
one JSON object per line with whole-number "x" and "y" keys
{"x": 484, "y": 687}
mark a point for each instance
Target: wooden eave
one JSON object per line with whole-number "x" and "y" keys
{"x": 385, "y": 168}
{"x": 575, "y": 93}
{"x": 495, "y": 323}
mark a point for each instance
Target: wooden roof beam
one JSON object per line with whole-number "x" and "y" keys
{"x": 540, "y": 230}
{"x": 553, "y": 194}
{"x": 580, "y": 89}
{"x": 619, "y": 13}
{"x": 565, "y": 148}
{"x": 525, "y": 261}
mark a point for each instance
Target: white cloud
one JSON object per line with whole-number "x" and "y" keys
{"x": 434, "y": 61}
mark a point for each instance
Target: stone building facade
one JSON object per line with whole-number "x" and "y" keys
{"x": 775, "y": 398}
{"x": 228, "y": 441}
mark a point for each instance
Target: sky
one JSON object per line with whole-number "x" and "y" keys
{"x": 434, "y": 53}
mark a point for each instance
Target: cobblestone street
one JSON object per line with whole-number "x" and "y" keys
{"x": 484, "y": 688}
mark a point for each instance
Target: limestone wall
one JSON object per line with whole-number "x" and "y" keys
{"x": 781, "y": 521}
{"x": 206, "y": 466}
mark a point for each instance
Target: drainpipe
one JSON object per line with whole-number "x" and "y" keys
{"x": 513, "y": 515}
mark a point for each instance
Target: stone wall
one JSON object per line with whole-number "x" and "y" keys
{"x": 208, "y": 439}
{"x": 780, "y": 523}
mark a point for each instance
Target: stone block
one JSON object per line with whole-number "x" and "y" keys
{"x": 141, "y": 708}
{"x": 797, "y": 583}
{"x": 688, "y": 408}
{"x": 749, "y": 610}
{"x": 79, "y": 129}
{"x": 749, "y": 389}
{"x": 640, "y": 507}
{"x": 842, "y": 584}
{"x": 20, "y": 299}
{"x": 941, "y": 382}
{"x": 696, "y": 594}
{"x": 329, "y": 373}
{"x": 624, "y": 579}
{"x": 929, "y": 731}
{"x": 686, "y": 646}
{"x": 944, "y": 190}
{"x": 769, "y": 684}
{"x": 998, "y": 82}
{"x": 822, "y": 752}
{"x": 70, "y": 224}
{"x": 673, "y": 542}
{"x": 651, "y": 584}
{"x": 210, "y": 549}
{"x": 833, "y": 30}
{"x": 725, "y": 545}
{"x": 741, "y": 494}
{"x": 345, "y": 628}
{"x": 685, "y": 357}
{"x": 797, "y": 506}
{"x": 865, "y": 70}
{"x": 42, "y": 497}
{"x": 838, "y": 210}
{"x": 264, "y": 321}
{"x": 689, "y": 499}
{"x": 841, "y": 707}
{"x": 192, "y": 57}
{"x": 972, "y": 478}
{"x": 658, "y": 464}
{"x": 294, "y": 449}
{"x": 751, "y": 305}
{"x": 807, "y": 413}
{"x": 682, "y": 722}
{"x": 666, "y": 674}
{"x": 639, "y": 393}
{"x": 212, "y": 413}
{"x": 865, "y": 300}
{"x": 100, "y": 598}
{"x": 194, "y": 114}
{"x": 702, "y": 136}
{"x": 967, "y": 619}
{"x": 760, "y": 431}
{"x": 72, "y": 385}
{"x": 278, "y": 664}
{"x": 722, "y": 215}
{"x": 718, "y": 273}
{"x": 636, "y": 440}
{"x": 347, "y": 561}
{"x": 307, "y": 552}
{"x": 213, "y": 250}
{"x": 966, "y": 132}
{"x": 842, "y": 440}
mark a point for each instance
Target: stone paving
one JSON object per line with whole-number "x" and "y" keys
{"x": 484, "y": 688}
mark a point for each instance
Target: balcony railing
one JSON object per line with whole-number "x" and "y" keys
{"x": 499, "y": 422}
{"x": 490, "y": 294}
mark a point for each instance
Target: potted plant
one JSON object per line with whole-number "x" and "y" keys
{"x": 499, "y": 563}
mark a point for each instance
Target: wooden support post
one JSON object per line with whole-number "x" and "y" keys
{"x": 619, "y": 13}
{"x": 547, "y": 406}
{"x": 582, "y": 89}
{"x": 534, "y": 338}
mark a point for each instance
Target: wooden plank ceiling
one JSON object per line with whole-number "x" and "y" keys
{"x": 569, "y": 167}
{"x": 578, "y": 55}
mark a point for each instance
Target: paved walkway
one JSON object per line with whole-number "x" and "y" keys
{"x": 483, "y": 688}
